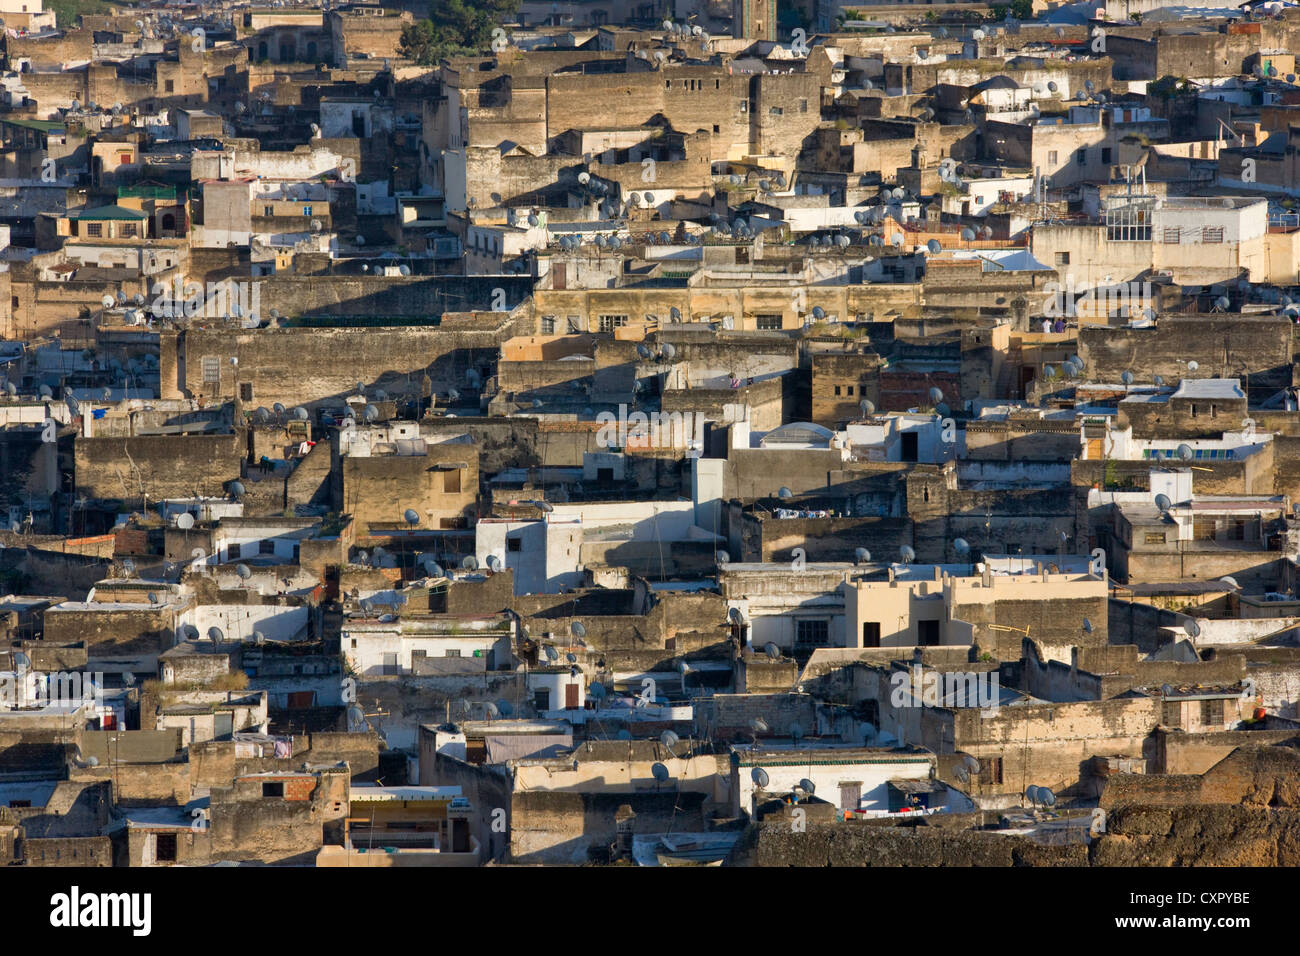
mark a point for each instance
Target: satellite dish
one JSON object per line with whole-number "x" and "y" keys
{"x": 807, "y": 787}
{"x": 1126, "y": 377}
{"x": 243, "y": 571}
{"x": 772, "y": 651}
{"x": 185, "y": 521}
{"x": 236, "y": 489}
{"x": 1230, "y": 582}
{"x": 551, "y": 653}
{"x": 861, "y": 556}
{"x": 1087, "y": 626}
{"x": 868, "y": 407}
{"x": 934, "y": 246}
{"x": 412, "y": 516}
{"x": 1193, "y": 365}
{"x": 724, "y": 558}
{"x": 735, "y": 615}
{"x": 578, "y": 630}
{"x": 1191, "y": 628}
{"x": 758, "y": 725}
{"x": 961, "y": 546}
{"x": 469, "y": 563}
{"x": 760, "y": 778}
{"x": 907, "y": 554}
{"x": 215, "y": 635}
{"x": 784, "y": 492}
{"x": 493, "y": 563}
{"x": 669, "y": 740}
{"x": 1163, "y": 502}
{"x": 1186, "y": 453}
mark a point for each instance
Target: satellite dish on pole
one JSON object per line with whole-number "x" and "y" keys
{"x": 760, "y": 778}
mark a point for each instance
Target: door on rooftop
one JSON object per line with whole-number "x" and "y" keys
{"x": 910, "y": 449}
{"x": 850, "y": 795}
{"x": 166, "y": 848}
{"x": 927, "y": 633}
{"x": 223, "y": 724}
{"x": 570, "y": 696}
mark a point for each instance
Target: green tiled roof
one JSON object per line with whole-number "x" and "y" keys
{"x": 109, "y": 212}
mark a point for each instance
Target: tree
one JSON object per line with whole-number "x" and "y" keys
{"x": 454, "y": 28}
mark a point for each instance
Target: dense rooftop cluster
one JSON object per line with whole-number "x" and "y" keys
{"x": 442, "y": 434}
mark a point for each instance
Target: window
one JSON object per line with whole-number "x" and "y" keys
{"x": 95, "y": 229}
{"x": 129, "y": 230}
{"x": 542, "y": 700}
{"x": 245, "y": 391}
{"x": 268, "y": 210}
{"x": 1155, "y": 537}
{"x": 717, "y": 128}
{"x": 768, "y": 323}
{"x": 1212, "y": 711}
{"x": 849, "y": 391}
{"x": 1062, "y": 258}
{"x": 814, "y": 633}
{"x": 453, "y": 652}
{"x": 306, "y": 210}
{"x": 170, "y": 86}
{"x": 1051, "y": 157}
{"x": 1212, "y": 234}
{"x": 1173, "y": 235}
{"x": 275, "y": 789}
{"x": 870, "y": 633}
{"x": 451, "y": 481}
{"x": 211, "y": 370}
{"x": 234, "y": 551}
{"x": 1129, "y": 222}
{"x": 514, "y": 544}
{"x": 991, "y": 770}
{"x": 1105, "y": 154}
{"x": 608, "y": 323}
{"x": 803, "y": 106}
{"x": 776, "y": 111}
{"x": 548, "y": 325}
{"x": 1081, "y": 156}
{"x": 837, "y": 391}
{"x": 266, "y": 546}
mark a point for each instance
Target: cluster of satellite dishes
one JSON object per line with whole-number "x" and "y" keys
{"x": 1073, "y": 368}
{"x": 1040, "y": 796}
{"x": 967, "y": 769}
{"x": 667, "y": 352}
